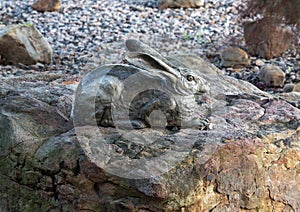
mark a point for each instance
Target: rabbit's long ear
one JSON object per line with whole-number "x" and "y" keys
{"x": 151, "y": 64}
{"x": 133, "y": 45}
{"x": 144, "y": 57}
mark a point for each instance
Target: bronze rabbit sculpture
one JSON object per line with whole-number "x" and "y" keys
{"x": 147, "y": 91}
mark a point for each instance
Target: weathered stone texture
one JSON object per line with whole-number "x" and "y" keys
{"x": 23, "y": 44}
{"x": 265, "y": 39}
{"x": 272, "y": 76}
{"x": 235, "y": 57}
{"x": 248, "y": 160}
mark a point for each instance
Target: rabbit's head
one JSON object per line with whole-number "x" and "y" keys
{"x": 181, "y": 80}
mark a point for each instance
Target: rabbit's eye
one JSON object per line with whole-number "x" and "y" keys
{"x": 189, "y": 77}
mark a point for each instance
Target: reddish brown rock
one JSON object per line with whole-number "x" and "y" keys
{"x": 47, "y": 5}
{"x": 240, "y": 175}
{"x": 266, "y": 40}
{"x": 235, "y": 57}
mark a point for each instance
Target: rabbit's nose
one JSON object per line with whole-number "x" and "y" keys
{"x": 203, "y": 88}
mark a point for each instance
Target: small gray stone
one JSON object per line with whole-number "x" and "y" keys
{"x": 288, "y": 87}
{"x": 259, "y": 62}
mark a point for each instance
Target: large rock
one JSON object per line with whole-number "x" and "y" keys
{"x": 247, "y": 160}
{"x": 23, "y": 44}
{"x": 162, "y": 4}
{"x": 266, "y": 39}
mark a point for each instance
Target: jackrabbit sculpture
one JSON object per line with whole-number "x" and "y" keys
{"x": 147, "y": 91}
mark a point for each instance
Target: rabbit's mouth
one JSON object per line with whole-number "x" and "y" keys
{"x": 203, "y": 87}
{"x": 200, "y": 92}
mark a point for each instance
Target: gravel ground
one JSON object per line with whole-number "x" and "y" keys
{"x": 88, "y": 33}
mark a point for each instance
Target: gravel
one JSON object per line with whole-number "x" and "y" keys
{"x": 87, "y": 33}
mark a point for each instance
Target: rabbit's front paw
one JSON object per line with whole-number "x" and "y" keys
{"x": 203, "y": 124}
{"x": 199, "y": 123}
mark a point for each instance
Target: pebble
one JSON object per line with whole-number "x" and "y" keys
{"x": 259, "y": 62}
